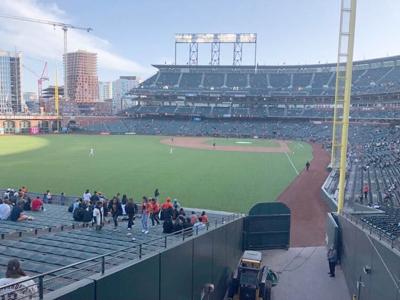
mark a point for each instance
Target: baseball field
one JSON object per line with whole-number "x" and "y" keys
{"x": 222, "y": 174}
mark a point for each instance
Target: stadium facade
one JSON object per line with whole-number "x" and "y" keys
{"x": 267, "y": 91}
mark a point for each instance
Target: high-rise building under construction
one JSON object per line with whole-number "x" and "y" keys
{"x": 81, "y": 77}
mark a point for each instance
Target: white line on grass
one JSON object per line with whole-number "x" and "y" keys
{"x": 291, "y": 162}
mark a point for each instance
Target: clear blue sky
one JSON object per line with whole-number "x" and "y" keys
{"x": 130, "y": 35}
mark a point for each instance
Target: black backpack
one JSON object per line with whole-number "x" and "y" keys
{"x": 78, "y": 214}
{"x": 87, "y": 215}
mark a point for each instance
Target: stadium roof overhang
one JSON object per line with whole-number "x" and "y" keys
{"x": 384, "y": 60}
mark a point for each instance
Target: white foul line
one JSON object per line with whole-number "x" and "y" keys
{"x": 291, "y": 162}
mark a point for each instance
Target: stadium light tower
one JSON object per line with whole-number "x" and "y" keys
{"x": 344, "y": 71}
{"x": 216, "y": 39}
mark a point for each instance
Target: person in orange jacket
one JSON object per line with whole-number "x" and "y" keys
{"x": 155, "y": 210}
{"x": 167, "y": 204}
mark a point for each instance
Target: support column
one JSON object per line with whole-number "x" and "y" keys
{"x": 193, "y": 53}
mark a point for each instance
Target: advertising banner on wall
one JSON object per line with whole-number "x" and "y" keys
{"x": 34, "y": 130}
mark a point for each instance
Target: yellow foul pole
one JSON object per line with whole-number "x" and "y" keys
{"x": 56, "y": 104}
{"x": 336, "y": 113}
{"x": 346, "y": 104}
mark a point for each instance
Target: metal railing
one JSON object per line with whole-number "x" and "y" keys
{"x": 101, "y": 263}
{"x": 375, "y": 231}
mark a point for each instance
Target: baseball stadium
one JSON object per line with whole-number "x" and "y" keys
{"x": 246, "y": 182}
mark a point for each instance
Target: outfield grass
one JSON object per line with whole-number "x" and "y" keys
{"x": 136, "y": 165}
{"x": 242, "y": 142}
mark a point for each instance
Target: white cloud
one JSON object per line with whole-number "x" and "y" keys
{"x": 45, "y": 42}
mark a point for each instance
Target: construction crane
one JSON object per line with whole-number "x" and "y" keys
{"x": 41, "y": 78}
{"x": 55, "y": 24}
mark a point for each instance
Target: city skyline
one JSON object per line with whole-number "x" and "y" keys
{"x": 144, "y": 33}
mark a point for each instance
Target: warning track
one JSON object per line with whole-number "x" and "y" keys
{"x": 303, "y": 197}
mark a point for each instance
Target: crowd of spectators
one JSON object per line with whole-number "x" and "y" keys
{"x": 98, "y": 209}
{"x": 249, "y": 110}
{"x": 15, "y": 203}
{"x": 381, "y": 76}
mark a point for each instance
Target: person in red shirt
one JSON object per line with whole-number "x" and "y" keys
{"x": 36, "y": 204}
{"x": 365, "y": 191}
{"x": 204, "y": 218}
{"x": 193, "y": 218}
{"x": 155, "y": 210}
{"x": 167, "y": 204}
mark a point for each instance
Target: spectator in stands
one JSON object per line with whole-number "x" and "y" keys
{"x": 193, "y": 218}
{"x": 124, "y": 199}
{"x": 131, "y": 210}
{"x": 27, "y": 203}
{"x": 168, "y": 225}
{"x": 24, "y": 190}
{"x": 199, "y": 225}
{"x": 94, "y": 198}
{"x": 78, "y": 213}
{"x": 7, "y": 194}
{"x": 86, "y": 196}
{"x": 204, "y": 217}
{"x": 308, "y": 165}
{"x": 47, "y": 197}
{"x": 5, "y": 209}
{"x": 155, "y": 210}
{"x": 178, "y": 223}
{"x": 181, "y": 212}
{"x": 62, "y": 198}
{"x": 17, "y": 213}
{"x": 166, "y": 210}
{"x": 98, "y": 215}
{"x": 332, "y": 259}
{"x": 366, "y": 191}
{"x": 76, "y": 204}
{"x": 116, "y": 210}
{"x": 167, "y": 204}
{"x": 37, "y": 204}
{"x": 145, "y": 215}
{"x": 176, "y": 204}
{"x": 26, "y": 289}
{"x": 188, "y": 226}
{"x": 105, "y": 208}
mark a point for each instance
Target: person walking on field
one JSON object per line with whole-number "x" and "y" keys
{"x": 156, "y": 194}
{"x": 332, "y": 260}
{"x": 308, "y": 165}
